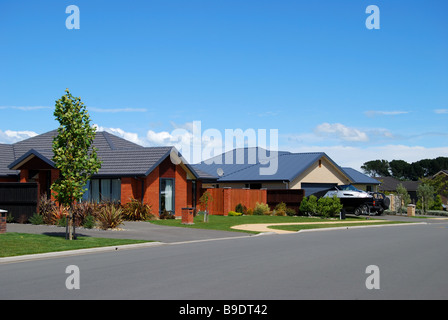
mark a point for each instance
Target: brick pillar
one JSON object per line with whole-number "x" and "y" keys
{"x": 3, "y": 221}
{"x": 187, "y": 216}
{"x": 226, "y": 200}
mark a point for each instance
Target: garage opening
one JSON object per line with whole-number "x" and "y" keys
{"x": 316, "y": 189}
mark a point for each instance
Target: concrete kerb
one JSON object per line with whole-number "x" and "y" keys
{"x": 265, "y": 228}
{"x": 69, "y": 253}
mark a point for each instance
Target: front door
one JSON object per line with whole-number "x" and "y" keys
{"x": 167, "y": 195}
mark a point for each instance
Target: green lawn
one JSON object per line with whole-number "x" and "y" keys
{"x": 16, "y": 244}
{"x": 316, "y": 226}
{"x": 225, "y": 222}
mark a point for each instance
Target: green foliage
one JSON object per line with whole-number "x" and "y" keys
{"x": 280, "y": 209}
{"x": 309, "y": 205}
{"x": 89, "y": 222}
{"x": 36, "y": 219}
{"x": 376, "y": 168}
{"x": 403, "y": 170}
{"x": 290, "y": 212}
{"x": 240, "y": 208}
{"x": 74, "y": 154}
{"x": 329, "y": 207}
{"x": 135, "y": 210}
{"x": 261, "y": 209}
{"x": 403, "y": 197}
{"x": 326, "y": 207}
{"x": 205, "y": 199}
{"x": 235, "y": 214}
{"x": 425, "y": 193}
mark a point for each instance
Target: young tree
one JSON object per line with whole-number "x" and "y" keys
{"x": 425, "y": 193}
{"x": 403, "y": 197}
{"x": 74, "y": 155}
{"x": 204, "y": 200}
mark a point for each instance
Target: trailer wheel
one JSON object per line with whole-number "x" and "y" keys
{"x": 362, "y": 209}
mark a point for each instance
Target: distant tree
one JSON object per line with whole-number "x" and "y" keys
{"x": 376, "y": 168}
{"x": 74, "y": 155}
{"x": 399, "y": 169}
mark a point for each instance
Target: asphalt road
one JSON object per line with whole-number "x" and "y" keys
{"x": 411, "y": 261}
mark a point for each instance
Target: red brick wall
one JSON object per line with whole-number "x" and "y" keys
{"x": 180, "y": 192}
{"x": 151, "y": 190}
{"x": 2, "y": 222}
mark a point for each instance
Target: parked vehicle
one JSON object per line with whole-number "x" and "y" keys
{"x": 359, "y": 202}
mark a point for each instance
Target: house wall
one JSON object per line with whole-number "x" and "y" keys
{"x": 321, "y": 171}
{"x": 132, "y": 187}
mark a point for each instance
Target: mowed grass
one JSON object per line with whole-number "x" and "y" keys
{"x": 296, "y": 228}
{"x": 16, "y": 244}
{"x": 225, "y": 223}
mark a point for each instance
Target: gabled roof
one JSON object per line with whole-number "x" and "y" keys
{"x": 289, "y": 165}
{"x": 359, "y": 178}
{"x": 119, "y": 157}
{"x": 390, "y": 184}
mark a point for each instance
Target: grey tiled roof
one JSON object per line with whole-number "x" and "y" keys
{"x": 119, "y": 156}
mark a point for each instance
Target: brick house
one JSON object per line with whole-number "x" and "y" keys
{"x": 128, "y": 171}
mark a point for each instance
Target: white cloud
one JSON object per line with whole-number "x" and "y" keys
{"x": 10, "y": 136}
{"x": 341, "y": 132}
{"x": 441, "y": 111}
{"x": 372, "y": 113}
{"x": 130, "y": 136}
{"x": 24, "y": 108}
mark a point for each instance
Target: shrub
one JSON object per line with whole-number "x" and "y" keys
{"x": 329, "y": 207}
{"x": 290, "y": 212}
{"x": 280, "y": 209}
{"x": 36, "y": 219}
{"x": 83, "y": 210}
{"x": 136, "y": 211}
{"x": 234, "y": 213}
{"x": 46, "y": 209}
{"x": 166, "y": 215}
{"x": 54, "y": 216}
{"x": 249, "y": 212}
{"x": 110, "y": 216}
{"x": 309, "y": 205}
{"x": 89, "y": 222}
{"x": 261, "y": 209}
{"x": 240, "y": 208}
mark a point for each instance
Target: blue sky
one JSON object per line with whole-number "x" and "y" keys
{"x": 310, "y": 69}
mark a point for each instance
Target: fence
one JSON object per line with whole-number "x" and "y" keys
{"x": 19, "y": 199}
{"x": 291, "y": 197}
{"x": 226, "y": 199}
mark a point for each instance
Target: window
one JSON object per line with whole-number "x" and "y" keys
{"x": 167, "y": 195}
{"x": 104, "y": 190}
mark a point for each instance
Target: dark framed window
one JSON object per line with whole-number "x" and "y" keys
{"x": 104, "y": 190}
{"x": 166, "y": 197}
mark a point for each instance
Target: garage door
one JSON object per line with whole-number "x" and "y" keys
{"x": 316, "y": 188}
